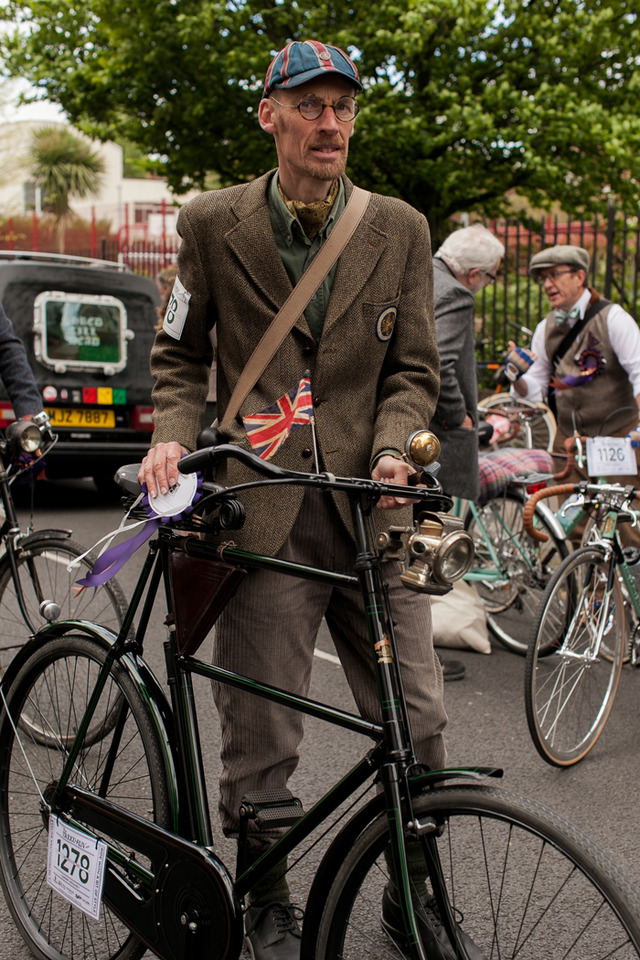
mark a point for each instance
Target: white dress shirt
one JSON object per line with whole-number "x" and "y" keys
{"x": 624, "y": 336}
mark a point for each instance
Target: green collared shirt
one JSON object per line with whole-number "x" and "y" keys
{"x": 297, "y": 251}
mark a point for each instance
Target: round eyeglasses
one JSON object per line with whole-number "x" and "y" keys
{"x": 310, "y": 108}
{"x": 551, "y": 275}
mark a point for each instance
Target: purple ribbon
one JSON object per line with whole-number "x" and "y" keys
{"x": 113, "y": 559}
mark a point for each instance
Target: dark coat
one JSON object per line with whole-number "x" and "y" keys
{"x": 374, "y": 382}
{"x": 455, "y": 312}
{"x": 15, "y": 372}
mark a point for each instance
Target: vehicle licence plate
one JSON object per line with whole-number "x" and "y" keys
{"x": 82, "y": 417}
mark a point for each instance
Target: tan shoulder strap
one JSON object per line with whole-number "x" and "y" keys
{"x": 298, "y": 299}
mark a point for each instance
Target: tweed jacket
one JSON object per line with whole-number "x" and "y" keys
{"x": 455, "y": 312}
{"x": 374, "y": 371}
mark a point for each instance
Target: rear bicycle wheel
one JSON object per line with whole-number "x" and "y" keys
{"x": 522, "y": 882}
{"x": 512, "y": 580}
{"x": 534, "y": 423}
{"x": 575, "y": 658}
{"x": 126, "y": 765}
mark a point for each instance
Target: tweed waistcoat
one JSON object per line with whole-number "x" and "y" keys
{"x": 590, "y": 403}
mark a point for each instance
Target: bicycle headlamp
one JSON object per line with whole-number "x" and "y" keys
{"x": 25, "y": 435}
{"x": 439, "y": 552}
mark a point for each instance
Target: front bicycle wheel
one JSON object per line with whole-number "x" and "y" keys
{"x": 125, "y": 765}
{"x": 42, "y": 568}
{"x": 521, "y": 881}
{"x": 510, "y": 570}
{"x": 575, "y": 658}
{"x": 534, "y": 425}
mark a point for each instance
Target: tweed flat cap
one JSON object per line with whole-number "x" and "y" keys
{"x": 301, "y": 61}
{"x": 563, "y": 254}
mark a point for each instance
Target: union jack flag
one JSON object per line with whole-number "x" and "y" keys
{"x": 269, "y": 429}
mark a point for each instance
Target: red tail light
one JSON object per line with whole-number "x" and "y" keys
{"x": 7, "y": 415}
{"x": 142, "y": 418}
{"x": 534, "y": 487}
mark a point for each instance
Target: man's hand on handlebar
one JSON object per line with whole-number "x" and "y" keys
{"x": 159, "y": 469}
{"x": 391, "y": 470}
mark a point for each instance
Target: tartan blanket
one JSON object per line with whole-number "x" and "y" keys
{"x": 499, "y": 467}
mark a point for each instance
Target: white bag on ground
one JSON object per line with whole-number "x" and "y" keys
{"x": 460, "y": 619}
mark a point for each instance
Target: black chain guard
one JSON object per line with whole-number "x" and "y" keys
{"x": 188, "y": 909}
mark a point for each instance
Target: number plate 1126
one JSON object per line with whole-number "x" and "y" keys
{"x": 610, "y": 456}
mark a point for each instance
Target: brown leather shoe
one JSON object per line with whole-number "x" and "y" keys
{"x": 451, "y": 669}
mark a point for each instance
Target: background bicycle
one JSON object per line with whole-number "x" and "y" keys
{"x": 510, "y": 569}
{"x": 488, "y": 839}
{"x": 34, "y": 563}
{"x": 580, "y": 634}
{"x": 517, "y": 422}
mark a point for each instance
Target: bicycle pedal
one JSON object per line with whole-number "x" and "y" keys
{"x": 271, "y": 808}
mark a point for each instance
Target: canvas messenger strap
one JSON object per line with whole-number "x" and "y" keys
{"x": 298, "y": 299}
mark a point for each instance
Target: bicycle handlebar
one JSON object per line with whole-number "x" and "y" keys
{"x": 618, "y": 496}
{"x": 530, "y": 507}
{"x": 211, "y": 456}
{"x": 571, "y": 445}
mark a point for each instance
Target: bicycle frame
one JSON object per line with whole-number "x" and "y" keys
{"x": 495, "y": 573}
{"x": 608, "y": 534}
{"x": 392, "y": 756}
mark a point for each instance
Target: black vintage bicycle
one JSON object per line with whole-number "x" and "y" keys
{"x": 506, "y": 877}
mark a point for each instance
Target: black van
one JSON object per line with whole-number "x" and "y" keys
{"x": 88, "y": 326}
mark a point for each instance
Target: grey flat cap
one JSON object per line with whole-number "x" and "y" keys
{"x": 560, "y": 255}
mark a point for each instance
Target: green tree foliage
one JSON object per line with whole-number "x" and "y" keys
{"x": 464, "y": 99}
{"x": 64, "y": 166}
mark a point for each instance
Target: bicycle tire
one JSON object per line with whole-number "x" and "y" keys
{"x": 569, "y": 695}
{"x": 514, "y": 591}
{"x": 57, "y": 679}
{"x": 522, "y": 882}
{"x": 537, "y": 432}
{"x": 50, "y": 558}
{"x": 42, "y": 569}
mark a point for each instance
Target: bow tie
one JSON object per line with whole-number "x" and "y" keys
{"x": 562, "y": 316}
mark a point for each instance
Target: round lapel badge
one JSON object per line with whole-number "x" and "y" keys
{"x": 385, "y": 323}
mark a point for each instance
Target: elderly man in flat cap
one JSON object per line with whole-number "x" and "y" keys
{"x": 587, "y": 352}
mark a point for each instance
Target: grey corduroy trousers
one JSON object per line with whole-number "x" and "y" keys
{"x": 268, "y": 632}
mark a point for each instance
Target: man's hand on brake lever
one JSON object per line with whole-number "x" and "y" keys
{"x": 390, "y": 469}
{"x": 159, "y": 469}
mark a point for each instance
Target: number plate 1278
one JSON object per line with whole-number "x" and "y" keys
{"x": 75, "y": 866}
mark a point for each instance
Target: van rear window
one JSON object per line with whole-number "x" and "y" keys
{"x": 79, "y": 331}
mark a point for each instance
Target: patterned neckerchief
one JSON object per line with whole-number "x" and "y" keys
{"x": 311, "y": 216}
